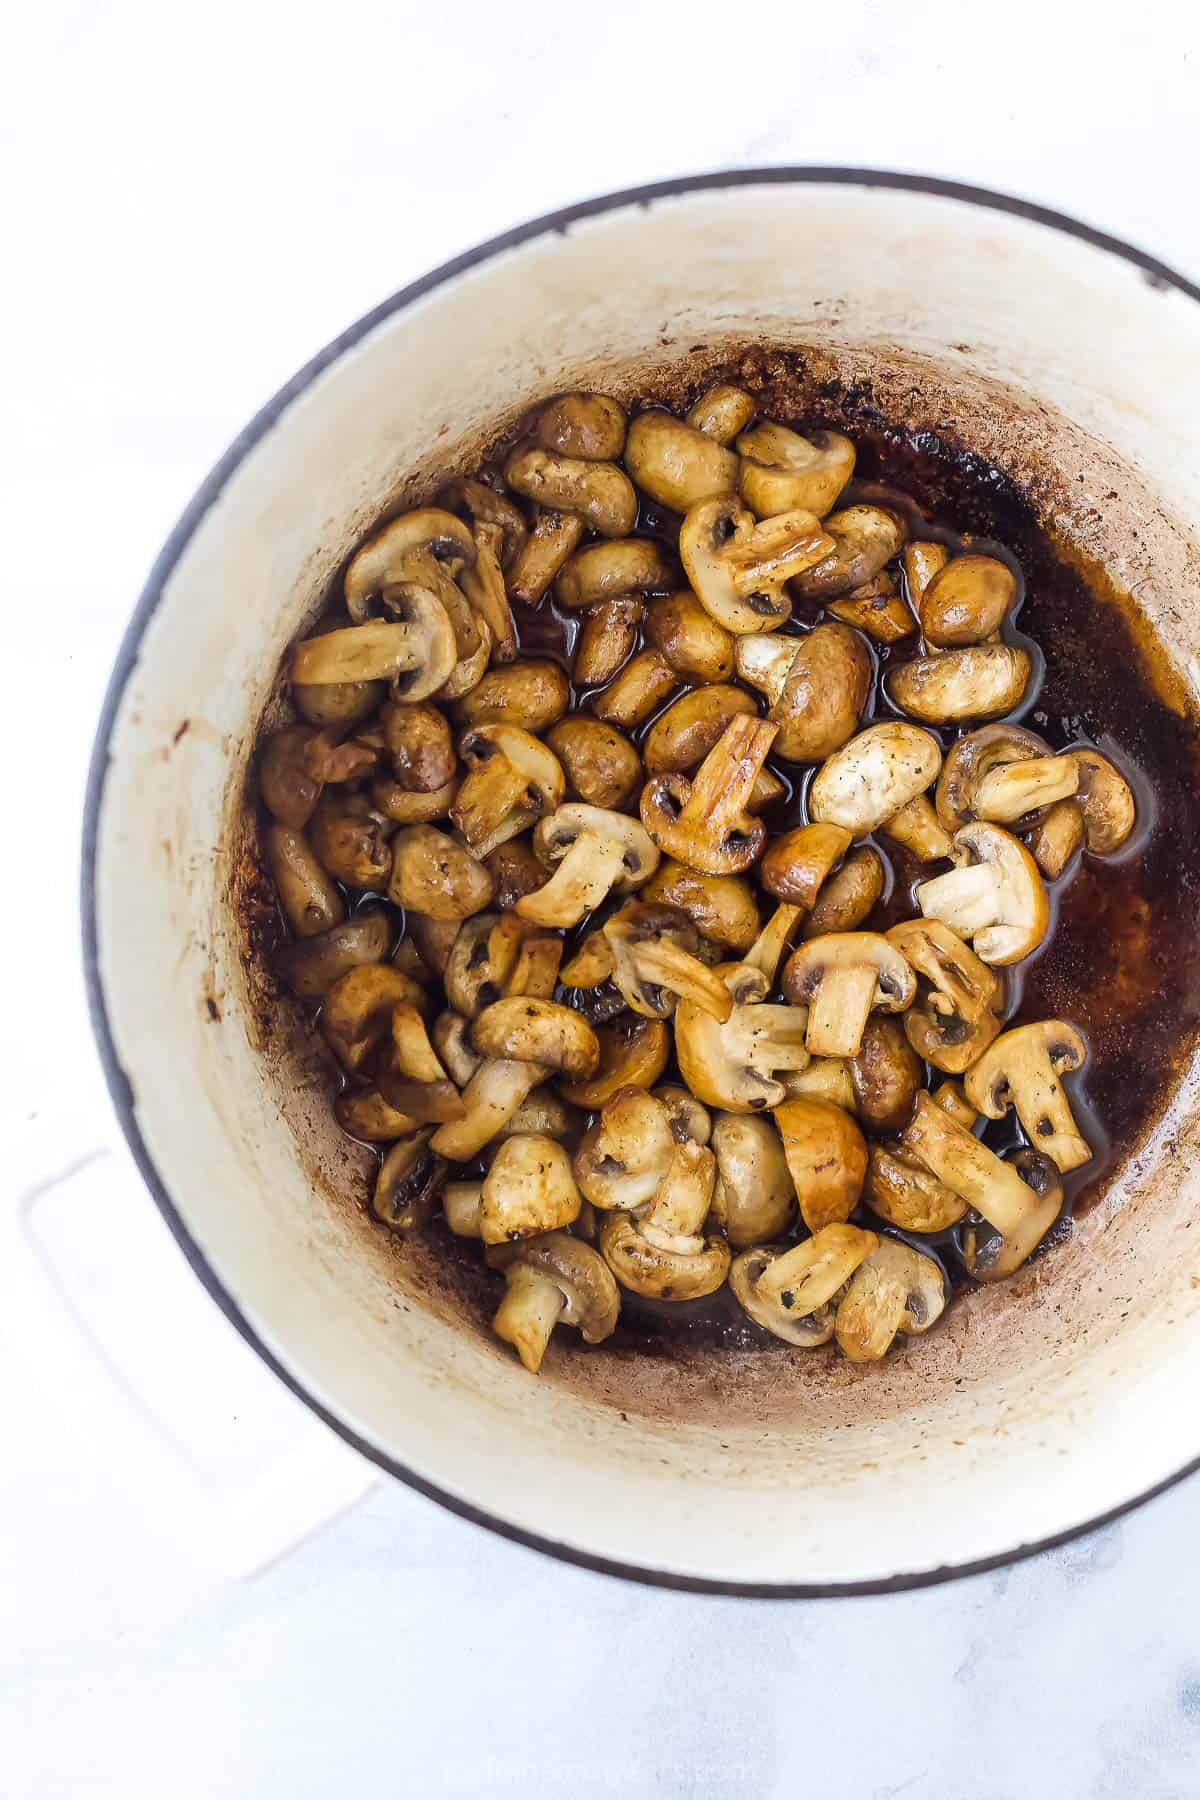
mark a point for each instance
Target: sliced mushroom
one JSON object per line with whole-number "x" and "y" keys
{"x": 869, "y": 779}
{"x": 462, "y": 1207}
{"x": 607, "y": 640}
{"x": 287, "y": 788}
{"x": 472, "y": 662}
{"x": 529, "y": 694}
{"x": 768, "y": 947}
{"x": 690, "y": 1122}
{"x": 410, "y": 1077}
{"x": 734, "y": 1065}
{"x": 682, "y": 736}
{"x": 664, "y": 1254}
{"x": 993, "y": 1254}
{"x": 357, "y": 1013}
{"x": 312, "y": 965}
{"x": 655, "y": 965}
{"x": 807, "y": 1331}
{"x": 596, "y": 852}
{"x": 535, "y": 971}
{"x": 721, "y": 412}
{"x": 807, "y": 1277}
{"x": 753, "y": 1200}
{"x": 401, "y": 552}
{"x": 490, "y": 1098}
{"x": 721, "y": 907}
{"x": 994, "y": 898}
{"x": 826, "y": 1156}
{"x": 625, "y": 1155}
{"x": 782, "y": 471}
{"x": 487, "y": 506}
{"x": 825, "y": 1078}
{"x": 959, "y": 1005}
{"x": 876, "y": 608}
{"x": 434, "y": 939}
{"x": 415, "y": 650}
{"x": 886, "y": 1073}
{"x": 922, "y": 561}
{"x": 1022, "y": 1069}
{"x": 553, "y": 537}
{"x": 591, "y": 426}
{"x": 487, "y": 595}
{"x": 863, "y": 539}
{"x": 512, "y": 781}
{"x": 894, "y": 1289}
{"x": 433, "y": 875}
{"x": 610, "y": 571}
{"x": 918, "y": 828}
{"x": 904, "y": 1192}
{"x": 523, "y": 1029}
{"x": 419, "y": 745}
{"x": 481, "y": 961}
{"x": 365, "y": 1114}
{"x": 1002, "y": 773}
{"x": 684, "y": 635}
{"x": 633, "y": 1053}
{"x": 553, "y": 1280}
{"x": 849, "y": 895}
{"x": 676, "y": 464}
{"x": 543, "y": 1114}
{"x": 737, "y": 567}
{"x": 1056, "y": 837}
{"x": 345, "y": 703}
{"x": 703, "y": 822}
{"x": 528, "y": 1189}
{"x": 842, "y": 978}
{"x": 515, "y": 870}
{"x": 638, "y": 690}
{"x": 966, "y": 601}
{"x": 310, "y": 902}
{"x": 451, "y": 1035}
{"x": 983, "y": 681}
{"x": 1020, "y": 1211}
{"x": 351, "y": 839}
{"x": 599, "y": 492}
{"x": 817, "y": 686}
{"x": 405, "y": 806}
{"x": 1109, "y": 810}
{"x": 410, "y": 1179}
{"x": 601, "y": 765}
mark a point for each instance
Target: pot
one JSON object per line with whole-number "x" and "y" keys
{"x": 1043, "y": 1406}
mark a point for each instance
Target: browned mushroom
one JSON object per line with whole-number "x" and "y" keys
{"x": 959, "y": 1006}
{"x": 607, "y": 640}
{"x": 994, "y": 897}
{"x": 797, "y": 863}
{"x": 611, "y": 570}
{"x": 876, "y": 608}
{"x": 512, "y": 781}
{"x": 309, "y": 899}
{"x": 1022, "y": 1069}
{"x": 593, "y": 852}
{"x": 600, "y": 492}
{"x": 703, "y": 822}
{"x": 591, "y": 426}
{"x": 863, "y": 539}
{"x": 827, "y": 1157}
{"x": 601, "y": 765}
{"x": 849, "y": 895}
{"x": 633, "y": 1053}
{"x": 817, "y": 687}
{"x": 691, "y": 642}
{"x": 1002, "y": 773}
{"x": 433, "y": 875}
{"x": 1109, "y": 810}
{"x": 982, "y": 681}
{"x": 676, "y": 464}
{"x": 528, "y": 1189}
{"x": 552, "y": 1280}
{"x": 886, "y": 1074}
{"x": 351, "y": 839}
{"x": 419, "y": 745}
{"x": 287, "y": 788}
{"x": 842, "y": 978}
{"x": 721, "y": 412}
{"x": 682, "y": 736}
{"x": 737, "y": 567}
{"x": 966, "y": 601}
{"x": 638, "y": 690}
{"x": 781, "y": 471}
{"x": 531, "y": 694}
{"x": 554, "y": 535}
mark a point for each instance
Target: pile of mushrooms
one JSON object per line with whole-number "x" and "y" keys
{"x": 659, "y": 1046}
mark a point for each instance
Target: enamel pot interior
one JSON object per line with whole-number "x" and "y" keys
{"x": 1040, "y": 1405}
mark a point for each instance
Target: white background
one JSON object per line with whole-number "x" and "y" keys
{"x": 193, "y": 201}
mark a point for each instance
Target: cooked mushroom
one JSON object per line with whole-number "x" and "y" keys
{"x": 408, "y": 1183}
{"x": 1002, "y": 773}
{"x": 676, "y": 464}
{"x": 588, "y": 425}
{"x": 664, "y": 1255}
{"x": 512, "y": 781}
{"x": 721, "y": 412}
{"x": 406, "y": 806}
{"x": 357, "y": 1013}
{"x": 806, "y": 1331}
{"x": 529, "y": 694}
{"x": 553, "y": 537}
{"x": 515, "y": 870}
{"x": 655, "y": 965}
{"x": 843, "y": 977}
{"x": 599, "y": 492}
{"x": 416, "y": 650}
{"x": 1109, "y": 811}
{"x": 364, "y": 1113}
{"x": 419, "y": 745}
{"x": 918, "y": 828}
{"x": 886, "y": 1073}
{"x": 737, "y": 567}
{"x": 490, "y": 1098}
{"x": 462, "y": 1207}
{"x": 601, "y": 765}
{"x": 894, "y": 1289}
{"x": 768, "y": 947}
{"x": 410, "y": 1077}
{"x": 682, "y": 736}
{"x": 721, "y": 907}
{"x": 849, "y": 895}
{"x": 345, "y": 703}
{"x": 642, "y": 685}
{"x": 950, "y": 1097}
{"x": 451, "y": 1035}
{"x": 483, "y": 585}
{"x": 481, "y": 961}
{"x": 1019, "y": 1212}
{"x": 1022, "y": 1069}
{"x": 922, "y": 561}
{"x": 310, "y": 902}
{"x": 633, "y": 1053}
{"x": 552, "y": 1280}
{"x": 782, "y": 471}
{"x": 487, "y": 506}
{"x": 1056, "y": 837}
{"x": 535, "y": 971}
{"x": 869, "y": 779}
{"x": 734, "y": 1065}
{"x": 523, "y": 1029}
{"x": 543, "y": 1114}
{"x": 703, "y": 822}
{"x": 806, "y": 1277}
{"x": 474, "y": 643}
{"x": 863, "y": 539}
{"x": 825, "y": 1078}
{"x": 980, "y": 682}
{"x": 287, "y": 788}
{"x": 690, "y": 1122}
{"x": 528, "y": 1189}
{"x": 625, "y": 1155}
{"x": 312, "y": 965}
{"x": 817, "y": 687}
{"x": 966, "y": 601}
{"x": 904, "y": 1192}
{"x": 608, "y": 637}
{"x": 684, "y": 635}
{"x": 753, "y": 1199}
{"x": 993, "y": 1254}
{"x": 609, "y": 571}
{"x": 596, "y": 852}
{"x": 878, "y": 609}
{"x": 433, "y": 875}
{"x": 401, "y": 553}
{"x": 959, "y": 1006}
{"x": 826, "y": 1156}
{"x": 994, "y": 898}
{"x": 351, "y": 839}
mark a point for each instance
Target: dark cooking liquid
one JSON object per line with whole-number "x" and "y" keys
{"x": 1120, "y": 959}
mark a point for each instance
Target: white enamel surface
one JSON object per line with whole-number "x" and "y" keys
{"x": 1069, "y": 1429}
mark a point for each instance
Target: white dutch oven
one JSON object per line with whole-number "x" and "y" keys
{"x": 1036, "y": 1410}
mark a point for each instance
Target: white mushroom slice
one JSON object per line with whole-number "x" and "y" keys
{"x": 781, "y": 471}
{"x": 625, "y": 1154}
{"x": 599, "y": 492}
{"x": 734, "y": 1065}
{"x": 992, "y": 1255}
{"x": 416, "y": 650}
{"x": 1002, "y": 773}
{"x": 704, "y": 821}
{"x": 983, "y": 681}
{"x": 487, "y": 506}
{"x": 918, "y": 828}
{"x": 869, "y": 779}
{"x": 408, "y": 1183}
{"x": 753, "y": 1200}
{"x": 411, "y": 1078}
{"x": 737, "y": 567}
{"x": 966, "y": 601}
{"x": 490, "y": 1099}
{"x": 1019, "y": 1211}
{"x": 842, "y": 977}
{"x": 994, "y": 898}
{"x": 863, "y": 539}
{"x": 894, "y": 1289}
{"x": 597, "y": 852}
{"x": 690, "y": 1122}
{"x": 1109, "y": 810}
{"x": 357, "y": 1011}
{"x": 810, "y": 1274}
{"x": 766, "y": 952}
{"x": 664, "y": 1255}
{"x": 817, "y": 686}
{"x": 512, "y": 781}
{"x": 1021, "y": 1069}
{"x": 807, "y": 1331}
{"x": 451, "y": 1035}
{"x": 552, "y": 1280}
{"x": 959, "y": 1007}
{"x": 676, "y": 464}
{"x": 826, "y": 1157}
{"x": 393, "y": 554}
{"x": 528, "y": 1189}
{"x": 654, "y": 963}
{"x": 481, "y": 960}
{"x": 721, "y": 412}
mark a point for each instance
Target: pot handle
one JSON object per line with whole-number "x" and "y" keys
{"x": 233, "y": 1530}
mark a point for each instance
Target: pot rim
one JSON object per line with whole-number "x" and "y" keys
{"x": 1158, "y": 275}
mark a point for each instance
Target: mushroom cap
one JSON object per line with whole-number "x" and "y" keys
{"x": 721, "y": 412}
{"x": 1014, "y": 904}
{"x": 451, "y": 1034}
{"x": 703, "y": 821}
{"x": 676, "y": 464}
{"x": 797, "y": 863}
{"x": 311, "y": 965}
{"x": 848, "y": 896}
{"x": 415, "y": 649}
{"x": 528, "y": 1189}
{"x": 886, "y": 1073}
{"x": 633, "y": 1052}
{"x": 827, "y": 1157}
{"x": 591, "y": 426}
{"x": 433, "y": 875}
{"x": 600, "y": 492}
{"x": 732, "y": 1065}
{"x": 523, "y": 1029}
{"x": 991, "y": 1255}
{"x": 358, "y": 1005}
{"x": 754, "y": 1197}
{"x": 656, "y": 1271}
{"x": 906, "y": 1194}
{"x": 818, "y": 687}
{"x": 959, "y": 1006}
{"x": 721, "y": 907}
{"x": 1022, "y": 1069}
{"x": 310, "y": 901}
{"x": 805, "y": 1330}
{"x": 580, "y": 1274}
{"x": 654, "y": 962}
{"x": 895, "y": 1288}
{"x": 555, "y": 836}
{"x": 782, "y": 470}
{"x": 334, "y": 703}
{"x": 600, "y": 764}
{"x": 1056, "y": 837}
{"x": 350, "y": 839}
{"x": 419, "y": 745}
{"x": 490, "y": 1099}
{"x": 612, "y": 569}
{"x": 874, "y": 775}
{"x": 690, "y": 1123}
{"x": 1109, "y": 809}
{"x": 410, "y": 806}
{"x": 285, "y": 784}
{"x": 684, "y": 635}
{"x": 865, "y": 538}
{"x": 410, "y": 1178}
{"x": 682, "y": 736}
{"x": 479, "y": 744}
{"x": 983, "y": 681}
{"x": 532, "y": 692}
{"x": 489, "y": 507}
{"x": 481, "y": 961}
{"x": 967, "y": 600}
{"x": 839, "y": 953}
{"x": 626, "y": 1152}
{"x": 978, "y": 753}
{"x": 381, "y": 563}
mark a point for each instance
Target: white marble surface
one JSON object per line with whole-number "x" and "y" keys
{"x": 193, "y": 202}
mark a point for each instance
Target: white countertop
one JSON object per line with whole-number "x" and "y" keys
{"x": 194, "y": 202}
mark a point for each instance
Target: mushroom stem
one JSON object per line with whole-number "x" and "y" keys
{"x": 964, "y": 899}
{"x": 769, "y": 553}
{"x": 839, "y": 1009}
{"x": 462, "y": 1204}
{"x": 488, "y": 796}
{"x": 490, "y": 1099}
{"x": 681, "y": 1204}
{"x": 484, "y": 587}
{"x": 810, "y": 1274}
{"x": 769, "y": 1037}
{"x": 1013, "y": 789}
{"x": 581, "y": 881}
{"x": 969, "y": 1168}
{"x": 665, "y": 965}
{"x": 528, "y": 1313}
{"x": 773, "y": 939}
{"x": 865, "y": 1330}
